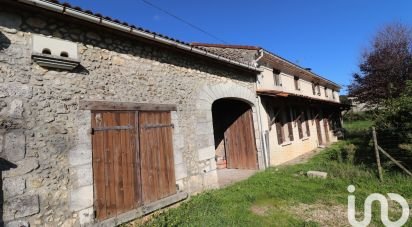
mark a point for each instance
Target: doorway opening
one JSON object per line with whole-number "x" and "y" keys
{"x": 235, "y": 143}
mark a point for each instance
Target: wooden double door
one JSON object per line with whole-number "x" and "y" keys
{"x": 133, "y": 160}
{"x": 240, "y": 145}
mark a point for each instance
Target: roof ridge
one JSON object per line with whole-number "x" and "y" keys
{"x": 234, "y": 46}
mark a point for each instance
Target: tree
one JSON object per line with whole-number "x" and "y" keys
{"x": 385, "y": 67}
{"x": 397, "y": 112}
{"x": 395, "y": 119}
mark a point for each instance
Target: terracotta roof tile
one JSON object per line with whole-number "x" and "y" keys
{"x": 226, "y": 46}
{"x": 114, "y": 20}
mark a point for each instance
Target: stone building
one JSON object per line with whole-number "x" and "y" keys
{"x": 299, "y": 110}
{"x": 102, "y": 122}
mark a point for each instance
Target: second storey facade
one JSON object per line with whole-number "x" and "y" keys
{"x": 299, "y": 110}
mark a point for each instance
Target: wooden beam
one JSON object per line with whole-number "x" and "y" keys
{"x": 109, "y": 105}
{"x": 378, "y": 159}
{"x": 141, "y": 211}
{"x": 395, "y": 161}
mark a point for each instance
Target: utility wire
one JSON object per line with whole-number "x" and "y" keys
{"x": 184, "y": 21}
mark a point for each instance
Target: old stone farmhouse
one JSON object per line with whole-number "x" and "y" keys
{"x": 102, "y": 122}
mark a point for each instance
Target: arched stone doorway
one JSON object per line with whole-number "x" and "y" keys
{"x": 234, "y": 135}
{"x": 204, "y": 135}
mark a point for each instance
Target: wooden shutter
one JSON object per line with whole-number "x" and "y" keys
{"x": 298, "y": 118}
{"x": 296, "y": 80}
{"x": 279, "y": 132}
{"x": 289, "y": 122}
{"x": 325, "y": 124}
{"x": 116, "y": 173}
{"x": 307, "y": 122}
{"x": 156, "y": 150}
{"x": 313, "y": 88}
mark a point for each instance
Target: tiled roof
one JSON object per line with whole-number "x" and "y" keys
{"x": 226, "y": 46}
{"x": 147, "y": 33}
{"x": 284, "y": 94}
{"x": 307, "y": 70}
{"x": 113, "y": 20}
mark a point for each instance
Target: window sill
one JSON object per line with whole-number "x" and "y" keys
{"x": 286, "y": 144}
{"x": 305, "y": 138}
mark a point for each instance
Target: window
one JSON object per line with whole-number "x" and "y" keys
{"x": 326, "y": 92}
{"x": 297, "y": 87}
{"x": 333, "y": 94}
{"x": 313, "y": 88}
{"x": 276, "y": 77}
{"x": 284, "y": 128}
{"x": 318, "y": 89}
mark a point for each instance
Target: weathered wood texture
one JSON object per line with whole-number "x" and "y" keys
{"x": 115, "y": 163}
{"x": 240, "y": 143}
{"x": 157, "y": 163}
{"x": 318, "y": 129}
{"x": 116, "y": 106}
{"x": 326, "y": 127}
{"x": 378, "y": 159}
{"x": 133, "y": 161}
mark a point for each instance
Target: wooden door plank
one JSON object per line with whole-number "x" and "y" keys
{"x": 137, "y": 183}
{"x": 156, "y": 152}
{"x": 108, "y": 119}
{"x": 147, "y": 164}
{"x": 251, "y": 159}
{"x": 240, "y": 143}
{"x": 117, "y": 165}
{"x": 98, "y": 170}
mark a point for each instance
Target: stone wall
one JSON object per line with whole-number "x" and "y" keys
{"x": 44, "y": 146}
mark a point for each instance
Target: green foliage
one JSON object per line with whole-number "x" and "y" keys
{"x": 397, "y": 112}
{"x": 358, "y": 125}
{"x": 395, "y": 120}
{"x": 385, "y": 66}
{"x": 358, "y": 116}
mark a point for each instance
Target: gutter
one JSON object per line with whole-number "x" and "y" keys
{"x": 265, "y": 149}
{"x": 127, "y": 29}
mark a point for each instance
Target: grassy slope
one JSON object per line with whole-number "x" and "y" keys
{"x": 280, "y": 189}
{"x": 358, "y": 125}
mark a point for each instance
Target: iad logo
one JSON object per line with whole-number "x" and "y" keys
{"x": 384, "y": 209}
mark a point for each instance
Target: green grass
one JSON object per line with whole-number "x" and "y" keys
{"x": 358, "y": 125}
{"x": 277, "y": 191}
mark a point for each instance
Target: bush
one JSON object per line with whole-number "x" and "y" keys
{"x": 344, "y": 153}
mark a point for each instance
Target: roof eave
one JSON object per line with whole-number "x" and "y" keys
{"x": 302, "y": 69}
{"x": 57, "y": 8}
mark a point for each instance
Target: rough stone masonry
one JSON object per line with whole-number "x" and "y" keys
{"x": 44, "y": 146}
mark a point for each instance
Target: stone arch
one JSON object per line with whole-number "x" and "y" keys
{"x": 204, "y": 122}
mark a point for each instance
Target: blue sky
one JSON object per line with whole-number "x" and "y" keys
{"x": 325, "y": 35}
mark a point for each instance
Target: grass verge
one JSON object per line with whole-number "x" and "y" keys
{"x": 287, "y": 197}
